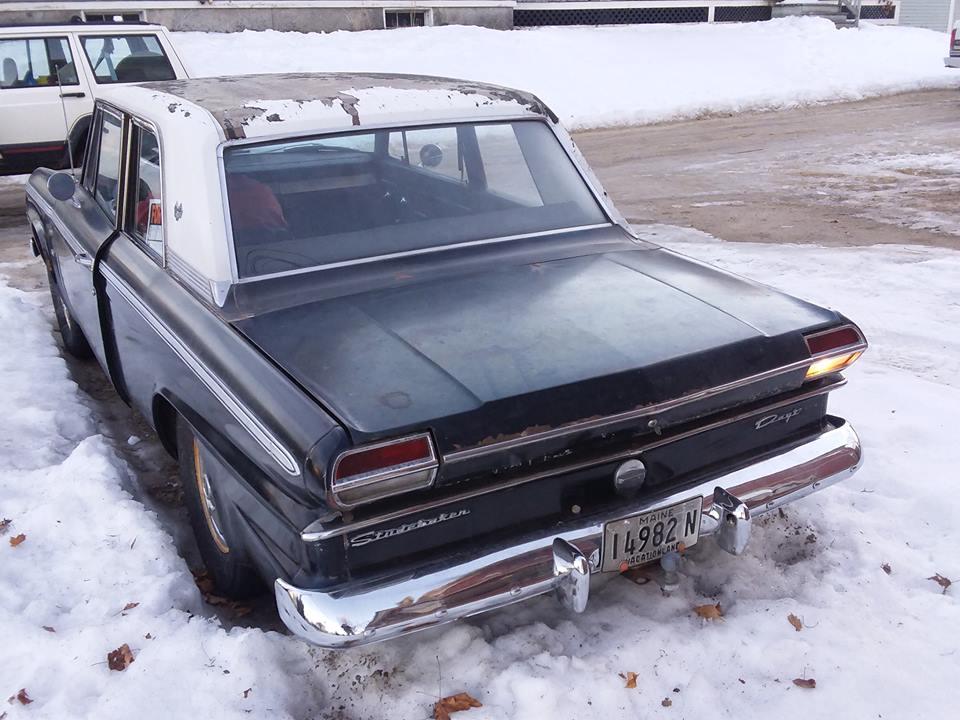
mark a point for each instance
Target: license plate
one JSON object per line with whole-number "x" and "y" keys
{"x": 640, "y": 539}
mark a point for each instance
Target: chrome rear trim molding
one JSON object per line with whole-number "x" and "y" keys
{"x": 630, "y": 415}
{"x": 316, "y": 533}
{"x": 401, "y": 602}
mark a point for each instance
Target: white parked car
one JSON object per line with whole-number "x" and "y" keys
{"x": 953, "y": 60}
{"x": 50, "y": 76}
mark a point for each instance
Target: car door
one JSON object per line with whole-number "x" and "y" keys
{"x": 90, "y": 218}
{"x": 41, "y": 96}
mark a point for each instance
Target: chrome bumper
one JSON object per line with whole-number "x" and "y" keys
{"x": 952, "y": 61}
{"x": 561, "y": 562}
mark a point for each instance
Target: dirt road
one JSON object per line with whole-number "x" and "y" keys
{"x": 885, "y": 170}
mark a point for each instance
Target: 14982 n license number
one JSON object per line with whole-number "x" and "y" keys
{"x": 643, "y": 538}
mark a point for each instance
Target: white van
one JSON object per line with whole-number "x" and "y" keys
{"x": 49, "y": 77}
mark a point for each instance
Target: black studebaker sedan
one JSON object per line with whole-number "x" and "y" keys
{"x": 412, "y": 361}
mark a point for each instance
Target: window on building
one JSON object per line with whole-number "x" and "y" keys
{"x": 404, "y": 18}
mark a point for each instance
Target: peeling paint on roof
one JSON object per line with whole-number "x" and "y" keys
{"x": 253, "y": 105}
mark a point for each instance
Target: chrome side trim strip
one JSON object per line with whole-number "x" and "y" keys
{"x": 317, "y": 534}
{"x": 47, "y": 209}
{"x": 247, "y": 420}
{"x": 402, "y": 601}
{"x": 183, "y": 271}
{"x": 596, "y": 423}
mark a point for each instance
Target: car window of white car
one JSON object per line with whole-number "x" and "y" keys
{"x": 126, "y": 58}
{"x": 36, "y": 62}
{"x": 505, "y": 168}
{"x": 435, "y": 149}
{"x": 107, "y": 186}
{"x": 144, "y": 207}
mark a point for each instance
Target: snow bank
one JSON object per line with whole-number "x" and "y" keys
{"x": 598, "y": 76}
{"x": 877, "y": 644}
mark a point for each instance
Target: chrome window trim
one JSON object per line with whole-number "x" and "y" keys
{"x": 134, "y": 156}
{"x": 247, "y": 420}
{"x": 421, "y": 251}
{"x": 566, "y": 143}
{"x": 315, "y": 532}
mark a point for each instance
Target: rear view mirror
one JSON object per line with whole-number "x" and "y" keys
{"x": 431, "y": 155}
{"x": 61, "y": 185}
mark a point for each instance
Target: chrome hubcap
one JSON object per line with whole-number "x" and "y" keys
{"x": 207, "y": 501}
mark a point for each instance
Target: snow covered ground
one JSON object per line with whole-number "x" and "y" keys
{"x": 877, "y": 643}
{"x": 599, "y": 76}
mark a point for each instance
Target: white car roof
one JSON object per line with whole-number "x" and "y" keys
{"x": 253, "y": 106}
{"x": 86, "y": 28}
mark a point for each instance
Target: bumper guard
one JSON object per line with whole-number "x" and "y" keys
{"x": 558, "y": 562}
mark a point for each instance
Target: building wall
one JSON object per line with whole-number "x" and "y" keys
{"x": 207, "y": 17}
{"x": 930, "y": 14}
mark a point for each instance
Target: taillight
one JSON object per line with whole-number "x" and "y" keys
{"x": 833, "y": 350}
{"x": 372, "y": 472}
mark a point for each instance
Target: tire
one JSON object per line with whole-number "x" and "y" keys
{"x": 223, "y": 552}
{"x": 74, "y": 341}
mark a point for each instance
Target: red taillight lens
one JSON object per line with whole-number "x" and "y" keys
{"x": 833, "y": 350}
{"x": 376, "y": 471}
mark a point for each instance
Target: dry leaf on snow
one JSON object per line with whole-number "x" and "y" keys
{"x": 247, "y": 692}
{"x": 666, "y": 702}
{"x": 939, "y": 579}
{"x": 17, "y": 539}
{"x": 808, "y": 683}
{"x": 631, "y": 678}
{"x": 454, "y": 703}
{"x": 709, "y": 612}
{"x": 129, "y": 606}
{"x": 886, "y": 568}
{"x": 49, "y": 629}
{"x": 4, "y": 524}
{"x": 795, "y": 621}
{"x": 22, "y": 697}
{"x": 120, "y": 658}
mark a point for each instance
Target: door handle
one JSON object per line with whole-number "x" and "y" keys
{"x": 73, "y": 95}
{"x": 83, "y": 259}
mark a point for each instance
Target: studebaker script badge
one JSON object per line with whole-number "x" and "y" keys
{"x": 374, "y": 535}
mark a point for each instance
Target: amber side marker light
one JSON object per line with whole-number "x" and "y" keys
{"x": 833, "y": 350}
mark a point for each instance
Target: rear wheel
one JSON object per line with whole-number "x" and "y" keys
{"x": 202, "y": 476}
{"x": 74, "y": 341}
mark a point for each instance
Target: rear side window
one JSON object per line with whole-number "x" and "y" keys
{"x": 36, "y": 62}
{"x": 127, "y": 58}
{"x": 107, "y": 186}
{"x": 145, "y": 214}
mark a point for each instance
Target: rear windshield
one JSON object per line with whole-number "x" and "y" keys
{"x": 127, "y": 58}
{"x": 302, "y": 203}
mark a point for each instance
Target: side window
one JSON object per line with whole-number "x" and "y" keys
{"x": 127, "y": 58}
{"x": 107, "y": 184}
{"x": 92, "y": 152}
{"x": 36, "y": 62}
{"x": 433, "y": 149}
{"x": 144, "y": 210}
{"x": 506, "y": 169}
